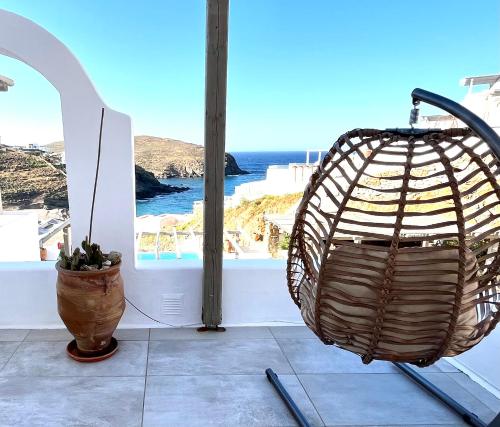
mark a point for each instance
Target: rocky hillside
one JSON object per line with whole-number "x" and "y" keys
{"x": 31, "y": 181}
{"x": 168, "y": 158}
{"x": 147, "y": 186}
{"x": 34, "y": 180}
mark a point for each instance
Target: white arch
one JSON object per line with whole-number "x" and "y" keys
{"x": 81, "y": 106}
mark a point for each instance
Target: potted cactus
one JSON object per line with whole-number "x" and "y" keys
{"x": 90, "y": 295}
{"x": 90, "y": 299}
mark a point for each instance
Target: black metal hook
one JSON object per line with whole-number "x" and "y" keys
{"x": 478, "y": 125}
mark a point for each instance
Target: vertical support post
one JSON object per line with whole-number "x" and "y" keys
{"x": 215, "y": 138}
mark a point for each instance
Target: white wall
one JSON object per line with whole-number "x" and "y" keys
{"x": 279, "y": 180}
{"x": 254, "y": 293}
{"x": 19, "y": 236}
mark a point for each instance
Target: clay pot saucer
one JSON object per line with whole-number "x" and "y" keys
{"x": 75, "y": 354}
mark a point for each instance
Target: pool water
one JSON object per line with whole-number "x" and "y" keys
{"x": 150, "y": 256}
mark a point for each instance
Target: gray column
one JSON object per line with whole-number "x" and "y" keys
{"x": 215, "y": 130}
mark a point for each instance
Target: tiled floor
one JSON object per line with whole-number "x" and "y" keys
{"x": 179, "y": 377}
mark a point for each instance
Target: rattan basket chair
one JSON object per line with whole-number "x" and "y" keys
{"x": 394, "y": 254}
{"x": 420, "y": 278}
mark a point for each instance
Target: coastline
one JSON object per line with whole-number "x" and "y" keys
{"x": 255, "y": 163}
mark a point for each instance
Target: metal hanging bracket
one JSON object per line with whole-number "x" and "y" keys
{"x": 478, "y": 125}
{"x": 414, "y": 113}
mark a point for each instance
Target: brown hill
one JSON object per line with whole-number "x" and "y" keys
{"x": 168, "y": 158}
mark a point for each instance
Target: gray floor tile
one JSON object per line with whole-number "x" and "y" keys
{"x": 63, "y": 335}
{"x": 313, "y": 357}
{"x": 189, "y": 382}
{"x": 374, "y": 399}
{"x": 193, "y": 334}
{"x": 13, "y": 334}
{"x": 71, "y": 401}
{"x": 7, "y": 349}
{"x": 490, "y": 400}
{"x": 224, "y": 400}
{"x": 41, "y": 358}
{"x": 49, "y": 335}
{"x": 292, "y": 332}
{"x": 209, "y": 357}
{"x": 475, "y": 399}
{"x": 132, "y": 334}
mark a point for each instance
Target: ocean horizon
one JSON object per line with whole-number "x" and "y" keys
{"x": 254, "y": 162}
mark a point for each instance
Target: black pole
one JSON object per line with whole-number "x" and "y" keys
{"x": 495, "y": 422}
{"x": 297, "y": 414}
{"x": 468, "y": 416}
{"x": 478, "y": 125}
{"x": 89, "y": 237}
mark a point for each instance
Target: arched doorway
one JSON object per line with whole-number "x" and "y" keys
{"x": 81, "y": 107}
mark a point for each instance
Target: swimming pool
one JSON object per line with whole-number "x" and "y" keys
{"x": 150, "y": 256}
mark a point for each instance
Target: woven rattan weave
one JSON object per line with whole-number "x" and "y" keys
{"x": 394, "y": 254}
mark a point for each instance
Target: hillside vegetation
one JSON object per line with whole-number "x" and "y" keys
{"x": 249, "y": 214}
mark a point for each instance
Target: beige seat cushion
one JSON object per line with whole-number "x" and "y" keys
{"x": 412, "y": 320}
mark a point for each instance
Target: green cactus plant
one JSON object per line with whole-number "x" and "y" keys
{"x": 75, "y": 260}
{"x": 89, "y": 258}
{"x": 93, "y": 253}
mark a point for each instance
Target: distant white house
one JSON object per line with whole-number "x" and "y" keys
{"x": 34, "y": 147}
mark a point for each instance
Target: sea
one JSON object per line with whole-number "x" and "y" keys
{"x": 256, "y": 163}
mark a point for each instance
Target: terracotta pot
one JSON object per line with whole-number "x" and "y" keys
{"x": 43, "y": 254}
{"x": 90, "y": 303}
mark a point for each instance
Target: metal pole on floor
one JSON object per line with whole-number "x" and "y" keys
{"x": 495, "y": 422}
{"x": 294, "y": 410}
{"x": 468, "y": 416}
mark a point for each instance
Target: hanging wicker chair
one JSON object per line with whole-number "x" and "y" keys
{"x": 394, "y": 254}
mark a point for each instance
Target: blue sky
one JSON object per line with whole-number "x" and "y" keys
{"x": 300, "y": 73}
